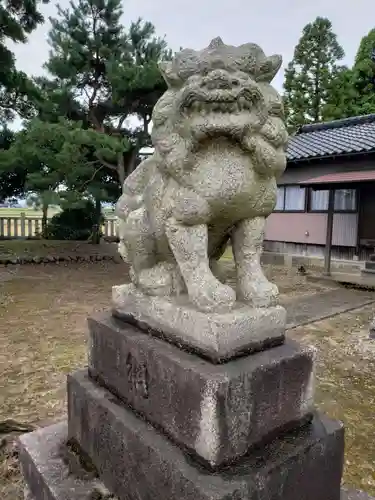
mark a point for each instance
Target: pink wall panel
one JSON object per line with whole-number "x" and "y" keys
{"x": 311, "y": 228}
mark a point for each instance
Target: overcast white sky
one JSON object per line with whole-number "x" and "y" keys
{"x": 275, "y": 25}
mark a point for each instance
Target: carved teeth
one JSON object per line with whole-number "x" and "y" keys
{"x": 243, "y": 104}
{"x": 204, "y": 107}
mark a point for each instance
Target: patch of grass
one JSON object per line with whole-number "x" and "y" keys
{"x": 228, "y": 254}
{"x": 346, "y": 386}
{"x": 29, "y": 247}
{"x": 42, "y": 248}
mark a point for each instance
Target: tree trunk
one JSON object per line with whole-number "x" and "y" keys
{"x": 121, "y": 169}
{"x": 44, "y": 215}
{"x": 96, "y": 228}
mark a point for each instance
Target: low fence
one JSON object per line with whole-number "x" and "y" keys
{"x": 23, "y": 227}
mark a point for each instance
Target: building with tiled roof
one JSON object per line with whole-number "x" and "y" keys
{"x": 340, "y": 137}
{"x": 337, "y": 157}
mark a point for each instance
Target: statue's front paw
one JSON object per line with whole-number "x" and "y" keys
{"x": 212, "y": 296}
{"x": 259, "y": 294}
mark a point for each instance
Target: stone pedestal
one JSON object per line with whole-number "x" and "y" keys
{"x": 215, "y": 411}
{"x": 48, "y": 474}
{"x": 216, "y": 336}
{"x": 155, "y": 421}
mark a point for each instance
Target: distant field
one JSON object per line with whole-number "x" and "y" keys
{"x": 30, "y": 212}
{"x": 13, "y": 226}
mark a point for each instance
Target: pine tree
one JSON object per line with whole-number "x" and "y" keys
{"x": 12, "y": 173}
{"x": 309, "y": 75}
{"x": 341, "y": 96}
{"x": 18, "y": 18}
{"x": 63, "y": 154}
{"x": 113, "y": 73}
{"x": 363, "y": 77}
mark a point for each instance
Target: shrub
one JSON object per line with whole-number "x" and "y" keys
{"x": 73, "y": 224}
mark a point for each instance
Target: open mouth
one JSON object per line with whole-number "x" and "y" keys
{"x": 218, "y": 106}
{"x": 220, "y": 101}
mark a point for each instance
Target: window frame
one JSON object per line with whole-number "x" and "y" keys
{"x": 280, "y": 210}
{"x": 289, "y": 211}
{"x": 336, "y": 211}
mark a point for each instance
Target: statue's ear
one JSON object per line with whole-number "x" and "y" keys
{"x": 169, "y": 74}
{"x": 269, "y": 68}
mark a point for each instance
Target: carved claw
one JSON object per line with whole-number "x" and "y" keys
{"x": 259, "y": 293}
{"x": 211, "y": 295}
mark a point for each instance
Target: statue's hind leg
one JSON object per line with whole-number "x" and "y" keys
{"x": 151, "y": 276}
{"x": 138, "y": 240}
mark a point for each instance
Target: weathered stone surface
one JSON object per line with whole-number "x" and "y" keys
{"x": 219, "y": 142}
{"x": 372, "y": 329}
{"x": 38, "y": 451}
{"x": 47, "y": 476}
{"x": 27, "y": 495}
{"x": 218, "y": 336}
{"x": 217, "y": 411}
{"x": 354, "y": 495}
{"x": 136, "y": 461}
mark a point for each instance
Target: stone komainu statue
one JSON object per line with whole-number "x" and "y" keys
{"x": 219, "y": 140}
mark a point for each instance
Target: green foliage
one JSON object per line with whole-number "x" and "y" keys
{"x": 352, "y": 92}
{"x": 310, "y": 75}
{"x": 363, "y": 75}
{"x": 18, "y": 18}
{"x": 83, "y": 40}
{"x": 341, "y": 97}
{"x": 75, "y": 223}
{"x": 38, "y": 201}
{"x": 55, "y": 101}
{"x": 12, "y": 173}
{"x": 65, "y": 154}
{"x": 113, "y": 74}
{"x": 100, "y": 74}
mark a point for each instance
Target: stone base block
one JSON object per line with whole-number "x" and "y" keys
{"x": 47, "y": 475}
{"x": 218, "y": 336}
{"x": 136, "y": 461}
{"x": 217, "y": 411}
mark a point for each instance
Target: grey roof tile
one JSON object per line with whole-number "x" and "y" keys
{"x": 351, "y": 135}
